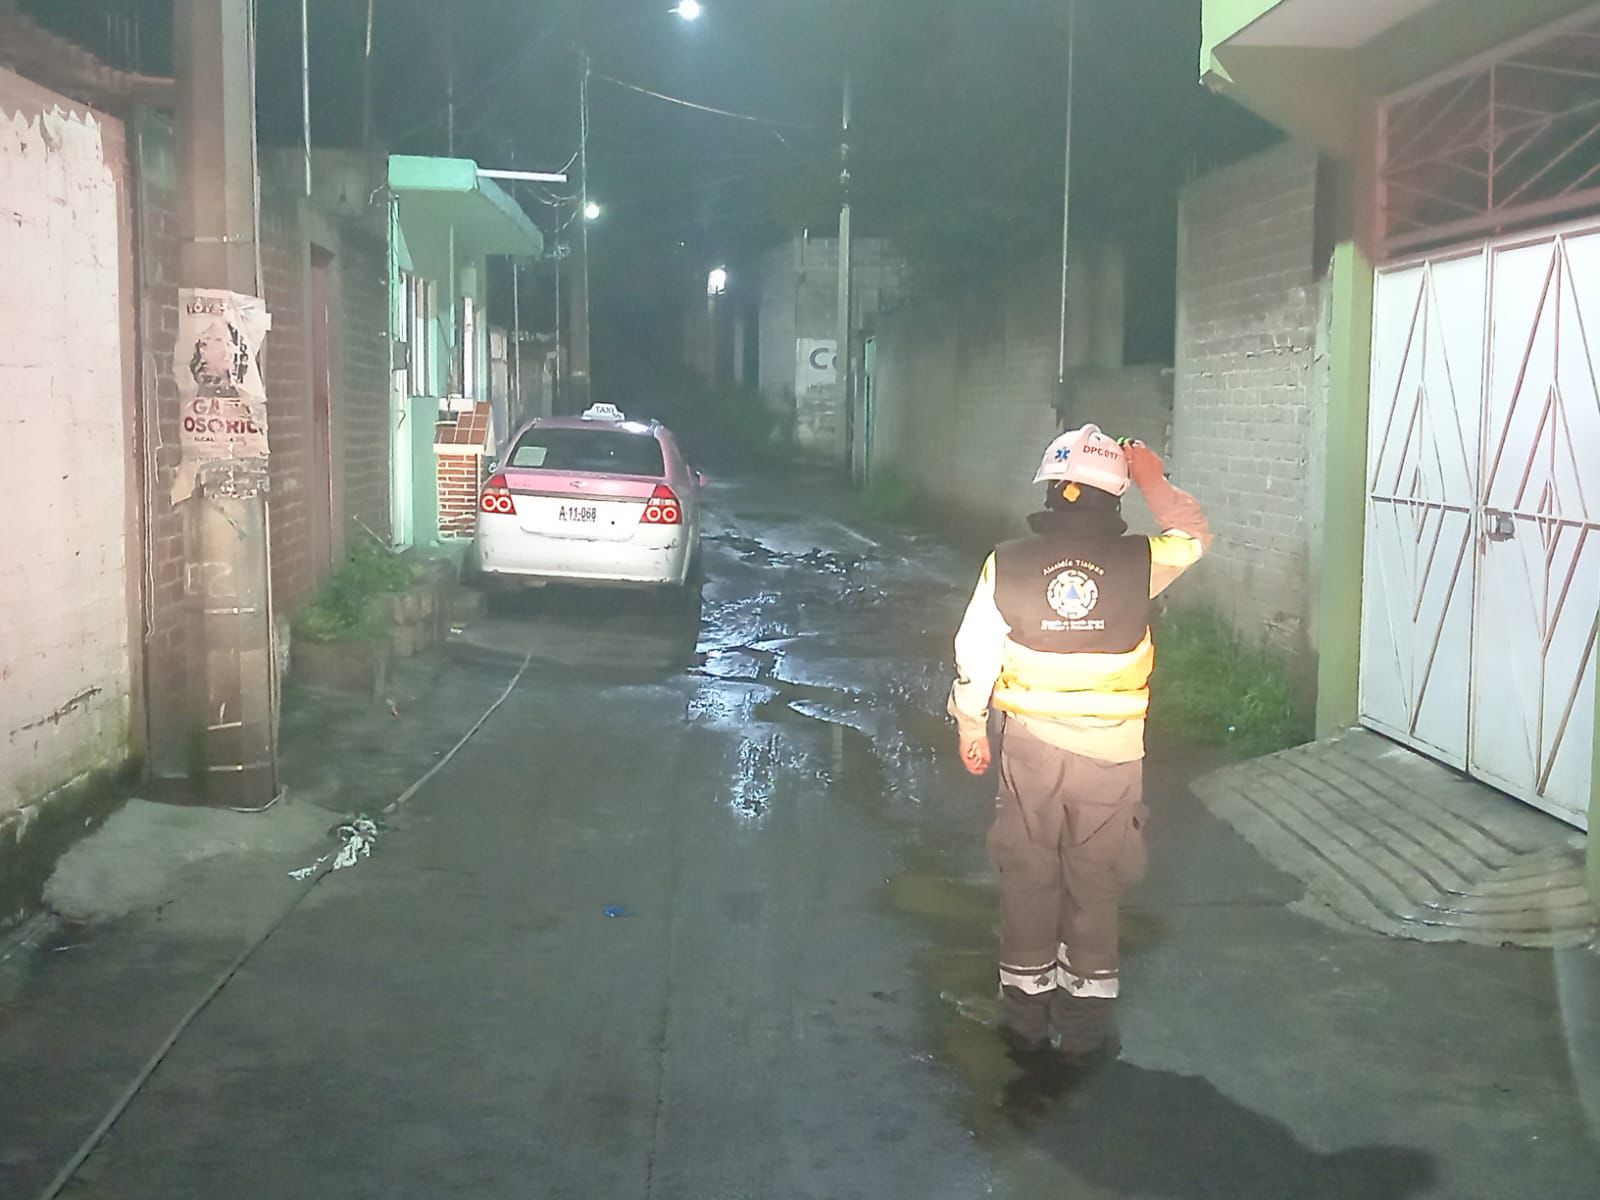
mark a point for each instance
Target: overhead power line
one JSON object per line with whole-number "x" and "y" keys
{"x": 772, "y": 126}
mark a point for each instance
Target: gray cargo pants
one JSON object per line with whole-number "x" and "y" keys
{"x": 1067, "y": 841}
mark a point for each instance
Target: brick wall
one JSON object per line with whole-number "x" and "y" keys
{"x": 460, "y": 478}
{"x": 1249, "y": 385}
{"x": 168, "y": 624}
{"x": 286, "y": 372}
{"x": 360, "y": 410}
{"x": 362, "y": 403}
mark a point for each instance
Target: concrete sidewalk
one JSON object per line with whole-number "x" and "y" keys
{"x": 1387, "y": 840}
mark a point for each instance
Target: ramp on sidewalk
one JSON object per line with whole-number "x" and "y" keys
{"x": 1387, "y": 840}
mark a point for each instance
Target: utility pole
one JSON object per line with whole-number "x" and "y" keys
{"x": 449, "y": 88}
{"x": 578, "y": 364}
{"x": 305, "y": 86}
{"x": 1066, "y": 205}
{"x": 366, "y": 84}
{"x": 232, "y": 711}
{"x": 559, "y": 383}
{"x": 846, "y": 352}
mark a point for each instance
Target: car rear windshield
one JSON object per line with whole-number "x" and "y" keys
{"x": 600, "y": 451}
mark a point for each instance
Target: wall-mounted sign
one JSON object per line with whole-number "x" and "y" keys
{"x": 816, "y": 364}
{"x": 222, "y": 402}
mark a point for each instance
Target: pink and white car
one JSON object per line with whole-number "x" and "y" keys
{"x": 596, "y": 499}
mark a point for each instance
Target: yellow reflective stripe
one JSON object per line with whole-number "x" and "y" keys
{"x": 1175, "y": 550}
{"x": 1112, "y": 686}
{"x": 1051, "y": 706}
{"x": 1035, "y": 670}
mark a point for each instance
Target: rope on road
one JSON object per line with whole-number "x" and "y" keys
{"x": 92, "y": 1142}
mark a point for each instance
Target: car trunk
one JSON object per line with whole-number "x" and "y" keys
{"x": 570, "y": 505}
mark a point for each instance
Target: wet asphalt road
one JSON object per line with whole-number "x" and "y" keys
{"x": 702, "y": 913}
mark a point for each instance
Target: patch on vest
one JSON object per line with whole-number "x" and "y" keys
{"x": 1073, "y": 595}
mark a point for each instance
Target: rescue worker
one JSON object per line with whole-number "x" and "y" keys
{"x": 1057, "y": 637}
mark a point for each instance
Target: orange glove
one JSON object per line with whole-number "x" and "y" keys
{"x": 1144, "y": 466}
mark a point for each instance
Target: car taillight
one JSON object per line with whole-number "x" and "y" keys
{"x": 663, "y": 508}
{"x": 496, "y": 497}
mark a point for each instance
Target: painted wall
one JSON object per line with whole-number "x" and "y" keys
{"x": 66, "y": 457}
{"x": 800, "y": 299}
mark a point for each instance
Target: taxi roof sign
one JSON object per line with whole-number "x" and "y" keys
{"x": 603, "y": 412}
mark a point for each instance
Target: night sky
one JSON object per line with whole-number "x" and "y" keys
{"x": 958, "y": 121}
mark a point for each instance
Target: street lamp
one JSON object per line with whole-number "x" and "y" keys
{"x": 591, "y": 210}
{"x": 689, "y": 10}
{"x": 717, "y": 281}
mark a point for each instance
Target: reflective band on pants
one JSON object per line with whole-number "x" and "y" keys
{"x": 1100, "y": 986}
{"x": 1030, "y": 981}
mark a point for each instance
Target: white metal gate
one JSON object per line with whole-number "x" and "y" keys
{"x": 1482, "y": 581}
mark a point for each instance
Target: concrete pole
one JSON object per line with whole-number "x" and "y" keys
{"x": 366, "y": 83}
{"x": 846, "y": 356}
{"x": 305, "y": 87}
{"x": 233, "y": 709}
{"x": 578, "y": 359}
{"x": 1066, "y": 200}
{"x": 514, "y": 415}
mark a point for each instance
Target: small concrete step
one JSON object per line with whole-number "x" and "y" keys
{"x": 1390, "y": 841}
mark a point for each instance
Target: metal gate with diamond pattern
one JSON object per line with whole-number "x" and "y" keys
{"x": 1482, "y": 581}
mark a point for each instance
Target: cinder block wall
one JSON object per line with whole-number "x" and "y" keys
{"x": 1250, "y": 387}
{"x": 966, "y": 395}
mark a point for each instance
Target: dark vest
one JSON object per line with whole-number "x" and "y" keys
{"x": 1075, "y": 593}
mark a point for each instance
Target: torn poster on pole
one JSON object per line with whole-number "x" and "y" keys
{"x": 221, "y": 400}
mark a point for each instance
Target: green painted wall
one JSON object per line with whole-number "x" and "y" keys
{"x": 1220, "y": 20}
{"x": 1594, "y": 817}
{"x": 1345, "y": 503}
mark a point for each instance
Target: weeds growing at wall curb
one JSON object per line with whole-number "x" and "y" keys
{"x": 342, "y": 611}
{"x": 1216, "y": 687}
{"x": 887, "y": 498}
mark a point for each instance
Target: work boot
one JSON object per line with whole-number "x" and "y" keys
{"x": 1082, "y": 1025}
{"x": 1027, "y": 1052}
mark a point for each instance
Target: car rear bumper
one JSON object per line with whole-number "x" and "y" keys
{"x": 651, "y": 557}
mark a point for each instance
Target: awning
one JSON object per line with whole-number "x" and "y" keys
{"x": 1314, "y": 67}
{"x": 438, "y": 194}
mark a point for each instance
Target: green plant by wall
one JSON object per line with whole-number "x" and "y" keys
{"x": 342, "y": 610}
{"x": 1215, "y": 687}
{"x": 887, "y": 497}
{"x": 743, "y": 418}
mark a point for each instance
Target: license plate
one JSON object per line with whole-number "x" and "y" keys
{"x": 582, "y": 514}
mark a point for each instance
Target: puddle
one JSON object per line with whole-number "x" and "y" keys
{"x": 755, "y": 778}
{"x": 825, "y": 562}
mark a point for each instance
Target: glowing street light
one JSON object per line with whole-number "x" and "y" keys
{"x": 689, "y": 10}
{"x": 591, "y": 211}
{"x": 717, "y": 281}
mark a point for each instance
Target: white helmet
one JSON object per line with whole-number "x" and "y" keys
{"x": 1085, "y": 456}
